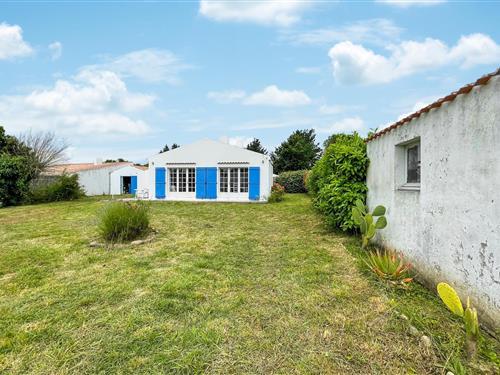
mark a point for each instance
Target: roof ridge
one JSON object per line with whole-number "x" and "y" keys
{"x": 448, "y": 98}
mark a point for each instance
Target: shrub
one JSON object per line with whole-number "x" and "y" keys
{"x": 338, "y": 180}
{"x": 389, "y": 266}
{"x": 277, "y": 193}
{"x": 293, "y": 181}
{"x": 15, "y": 177}
{"x": 124, "y": 221}
{"x": 64, "y": 188}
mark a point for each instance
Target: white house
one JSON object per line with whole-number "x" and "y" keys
{"x": 95, "y": 178}
{"x": 128, "y": 179}
{"x": 210, "y": 170}
{"x": 438, "y": 173}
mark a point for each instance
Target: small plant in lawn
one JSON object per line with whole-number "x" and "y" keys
{"x": 390, "y": 266}
{"x": 451, "y": 299}
{"x": 277, "y": 193}
{"x": 124, "y": 221}
{"x": 365, "y": 221}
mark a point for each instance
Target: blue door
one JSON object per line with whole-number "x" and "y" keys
{"x": 160, "y": 180}
{"x": 206, "y": 183}
{"x": 254, "y": 183}
{"x": 133, "y": 185}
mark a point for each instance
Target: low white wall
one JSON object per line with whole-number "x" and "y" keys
{"x": 450, "y": 229}
{"x": 115, "y": 178}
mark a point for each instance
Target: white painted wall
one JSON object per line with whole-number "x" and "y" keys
{"x": 450, "y": 228}
{"x": 128, "y": 170}
{"x": 97, "y": 181}
{"x": 208, "y": 153}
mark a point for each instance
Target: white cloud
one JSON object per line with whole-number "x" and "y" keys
{"x": 148, "y": 65}
{"x": 227, "y": 96}
{"x": 270, "y": 12}
{"x": 12, "y": 44}
{"x": 353, "y": 63}
{"x": 55, "y": 50}
{"x": 273, "y": 96}
{"x": 93, "y": 102}
{"x": 346, "y": 125}
{"x": 308, "y": 70}
{"x": 408, "y": 3}
{"x": 236, "y": 141}
{"x": 378, "y": 30}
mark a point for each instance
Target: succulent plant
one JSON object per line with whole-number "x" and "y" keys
{"x": 451, "y": 299}
{"x": 365, "y": 221}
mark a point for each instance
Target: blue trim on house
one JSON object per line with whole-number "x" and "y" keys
{"x": 160, "y": 182}
{"x": 254, "y": 183}
{"x": 206, "y": 183}
{"x": 133, "y": 185}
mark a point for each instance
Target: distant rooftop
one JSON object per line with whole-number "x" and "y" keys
{"x": 59, "y": 169}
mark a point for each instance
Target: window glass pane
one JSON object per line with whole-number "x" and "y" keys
{"x": 233, "y": 180}
{"x": 413, "y": 164}
{"x": 191, "y": 180}
{"x": 172, "y": 172}
{"x": 182, "y": 179}
{"x": 243, "y": 180}
{"x": 223, "y": 179}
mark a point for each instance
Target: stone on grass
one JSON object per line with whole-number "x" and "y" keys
{"x": 137, "y": 242}
{"x": 94, "y": 244}
{"x": 413, "y": 331}
{"x": 426, "y": 342}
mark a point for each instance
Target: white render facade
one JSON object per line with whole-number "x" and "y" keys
{"x": 128, "y": 180}
{"x": 439, "y": 177}
{"x": 210, "y": 171}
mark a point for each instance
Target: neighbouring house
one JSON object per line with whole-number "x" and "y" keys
{"x": 210, "y": 170}
{"x": 95, "y": 178}
{"x": 129, "y": 179}
{"x": 438, "y": 173}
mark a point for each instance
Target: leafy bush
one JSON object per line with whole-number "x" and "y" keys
{"x": 124, "y": 221}
{"x": 293, "y": 181}
{"x": 277, "y": 193}
{"x": 389, "y": 266}
{"x": 338, "y": 180}
{"x": 15, "y": 177}
{"x": 64, "y": 188}
{"x": 365, "y": 221}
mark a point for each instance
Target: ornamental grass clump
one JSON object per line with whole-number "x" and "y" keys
{"x": 124, "y": 221}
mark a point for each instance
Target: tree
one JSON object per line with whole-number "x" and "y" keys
{"x": 256, "y": 146}
{"x": 338, "y": 137}
{"x": 166, "y": 148}
{"x": 119, "y": 160}
{"x": 46, "y": 149}
{"x": 174, "y": 146}
{"x": 299, "y": 151}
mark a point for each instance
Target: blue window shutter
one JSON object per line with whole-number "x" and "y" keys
{"x": 254, "y": 183}
{"x": 133, "y": 184}
{"x": 211, "y": 189}
{"x": 160, "y": 181}
{"x": 201, "y": 183}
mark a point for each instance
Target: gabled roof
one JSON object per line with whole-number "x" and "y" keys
{"x": 449, "y": 98}
{"x": 72, "y": 168}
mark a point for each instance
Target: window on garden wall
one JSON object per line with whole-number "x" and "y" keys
{"x": 413, "y": 163}
{"x": 233, "y": 180}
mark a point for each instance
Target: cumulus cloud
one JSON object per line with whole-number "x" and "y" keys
{"x": 236, "y": 141}
{"x": 346, "y": 125}
{"x": 55, "y": 50}
{"x": 270, "y": 12}
{"x": 378, "y": 31}
{"x": 355, "y": 64}
{"x": 275, "y": 97}
{"x": 148, "y": 65}
{"x": 12, "y": 44}
{"x": 227, "y": 96}
{"x": 409, "y": 3}
{"x": 92, "y": 102}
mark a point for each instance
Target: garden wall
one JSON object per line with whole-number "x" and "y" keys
{"x": 449, "y": 227}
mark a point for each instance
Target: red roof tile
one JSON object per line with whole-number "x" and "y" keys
{"x": 463, "y": 90}
{"x": 80, "y": 167}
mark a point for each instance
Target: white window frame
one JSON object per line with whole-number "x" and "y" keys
{"x": 177, "y": 179}
{"x": 239, "y": 187}
{"x": 411, "y": 185}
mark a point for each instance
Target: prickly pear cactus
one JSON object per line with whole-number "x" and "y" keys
{"x": 365, "y": 221}
{"x": 450, "y": 299}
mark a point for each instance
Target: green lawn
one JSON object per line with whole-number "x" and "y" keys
{"x": 224, "y": 288}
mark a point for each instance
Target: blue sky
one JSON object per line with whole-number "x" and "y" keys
{"x": 121, "y": 79}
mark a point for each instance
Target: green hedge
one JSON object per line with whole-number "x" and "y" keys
{"x": 293, "y": 181}
{"x": 338, "y": 179}
{"x": 64, "y": 188}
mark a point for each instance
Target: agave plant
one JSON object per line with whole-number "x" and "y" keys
{"x": 451, "y": 299}
{"x": 390, "y": 265}
{"x": 365, "y": 221}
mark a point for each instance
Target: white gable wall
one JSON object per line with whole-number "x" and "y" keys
{"x": 208, "y": 153}
{"x": 450, "y": 228}
{"x": 129, "y": 170}
{"x": 96, "y": 181}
